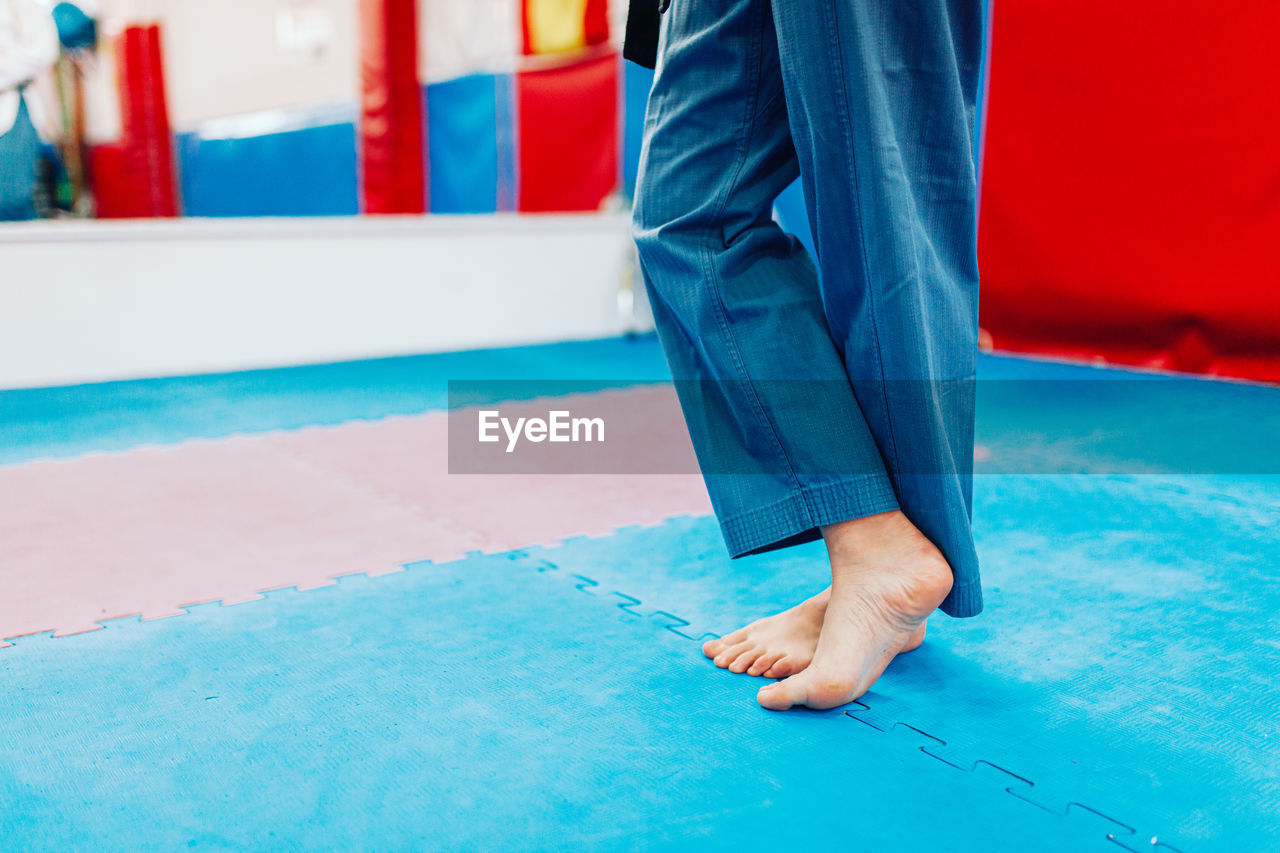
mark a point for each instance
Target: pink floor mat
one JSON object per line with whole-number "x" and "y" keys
{"x": 149, "y": 530}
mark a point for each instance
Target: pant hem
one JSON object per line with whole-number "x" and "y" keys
{"x": 796, "y": 518}
{"x": 963, "y": 601}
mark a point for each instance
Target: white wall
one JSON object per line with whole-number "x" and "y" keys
{"x": 110, "y": 300}
{"x": 225, "y": 57}
{"x": 233, "y": 57}
{"x": 457, "y": 37}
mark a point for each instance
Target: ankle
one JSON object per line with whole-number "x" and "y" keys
{"x": 888, "y": 547}
{"x": 817, "y": 604}
{"x": 846, "y": 540}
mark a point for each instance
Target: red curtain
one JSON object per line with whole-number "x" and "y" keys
{"x": 1131, "y": 194}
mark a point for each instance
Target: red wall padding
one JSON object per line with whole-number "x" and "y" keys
{"x": 568, "y": 119}
{"x": 595, "y": 26}
{"x": 119, "y": 189}
{"x": 137, "y": 177}
{"x": 393, "y": 168}
{"x": 1131, "y": 191}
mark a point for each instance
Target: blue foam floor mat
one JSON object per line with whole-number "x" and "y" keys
{"x": 1124, "y": 675}
{"x": 379, "y": 715}
{"x": 64, "y": 421}
{"x": 556, "y": 698}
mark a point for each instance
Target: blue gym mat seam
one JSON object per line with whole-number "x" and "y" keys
{"x": 862, "y": 712}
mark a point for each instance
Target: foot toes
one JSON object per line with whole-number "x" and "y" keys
{"x": 762, "y": 664}
{"x": 744, "y": 661}
{"x": 712, "y": 648}
{"x": 729, "y": 655}
{"x": 780, "y": 669}
{"x": 804, "y": 690}
{"x": 818, "y": 694}
{"x": 775, "y": 697}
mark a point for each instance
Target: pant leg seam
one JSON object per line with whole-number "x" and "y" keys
{"x": 842, "y": 88}
{"x": 709, "y": 266}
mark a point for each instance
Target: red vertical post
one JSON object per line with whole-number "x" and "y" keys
{"x": 140, "y": 175}
{"x": 392, "y": 153}
{"x": 595, "y": 24}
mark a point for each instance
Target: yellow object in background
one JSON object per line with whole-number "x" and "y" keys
{"x": 555, "y": 25}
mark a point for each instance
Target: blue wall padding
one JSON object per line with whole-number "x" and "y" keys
{"x": 462, "y": 143}
{"x": 302, "y": 171}
{"x": 508, "y": 142}
{"x": 556, "y": 699}
{"x": 637, "y": 82}
{"x": 790, "y": 212}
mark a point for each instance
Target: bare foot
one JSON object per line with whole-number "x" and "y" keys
{"x": 916, "y": 640}
{"x": 886, "y": 580}
{"x": 775, "y": 646}
{"x": 780, "y": 645}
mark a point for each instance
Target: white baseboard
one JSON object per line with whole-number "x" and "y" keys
{"x": 92, "y": 301}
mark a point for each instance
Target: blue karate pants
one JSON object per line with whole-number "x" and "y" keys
{"x": 812, "y": 400}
